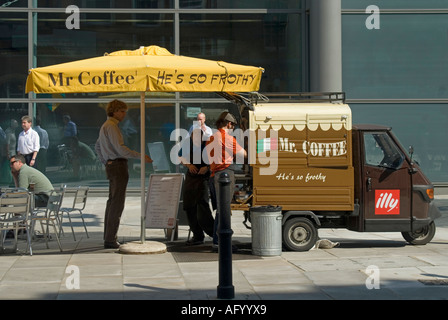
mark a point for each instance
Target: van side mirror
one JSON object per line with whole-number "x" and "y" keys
{"x": 411, "y": 153}
{"x": 412, "y": 170}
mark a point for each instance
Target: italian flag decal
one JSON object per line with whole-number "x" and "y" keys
{"x": 267, "y": 144}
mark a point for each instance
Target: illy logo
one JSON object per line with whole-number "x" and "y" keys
{"x": 387, "y": 202}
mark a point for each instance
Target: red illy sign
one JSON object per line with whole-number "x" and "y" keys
{"x": 387, "y": 202}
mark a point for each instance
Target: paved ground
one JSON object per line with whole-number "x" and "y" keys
{"x": 85, "y": 270}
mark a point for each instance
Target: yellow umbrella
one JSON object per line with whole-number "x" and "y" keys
{"x": 150, "y": 68}
{"x": 146, "y": 69}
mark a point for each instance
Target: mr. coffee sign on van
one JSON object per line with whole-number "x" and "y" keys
{"x": 315, "y": 149}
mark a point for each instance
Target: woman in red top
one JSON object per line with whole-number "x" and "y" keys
{"x": 222, "y": 148}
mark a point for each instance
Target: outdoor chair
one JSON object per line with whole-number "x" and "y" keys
{"x": 14, "y": 213}
{"x": 49, "y": 216}
{"x": 79, "y": 203}
{"x": 41, "y": 210}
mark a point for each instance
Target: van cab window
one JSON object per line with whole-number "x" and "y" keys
{"x": 381, "y": 151}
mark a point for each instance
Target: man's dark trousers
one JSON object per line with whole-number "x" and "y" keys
{"x": 118, "y": 176}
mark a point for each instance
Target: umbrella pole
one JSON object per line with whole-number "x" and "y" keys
{"x": 142, "y": 166}
{"x": 143, "y": 247}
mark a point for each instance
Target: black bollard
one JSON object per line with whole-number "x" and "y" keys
{"x": 226, "y": 290}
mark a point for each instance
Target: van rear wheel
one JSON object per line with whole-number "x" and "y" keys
{"x": 421, "y": 236}
{"x": 299, "y": 234}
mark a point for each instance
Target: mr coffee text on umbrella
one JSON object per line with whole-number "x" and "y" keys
{"x": 84, "y": 78}
{"x": 111, "y": 77}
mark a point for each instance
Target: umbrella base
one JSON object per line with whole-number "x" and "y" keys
{"x": 137, "y": 247}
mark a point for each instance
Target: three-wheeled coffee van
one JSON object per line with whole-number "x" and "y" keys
{"x": 306, "y": 157}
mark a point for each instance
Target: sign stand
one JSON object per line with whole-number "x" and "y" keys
{"x": 161, "y": 209}
{"x": 162, "y": 201}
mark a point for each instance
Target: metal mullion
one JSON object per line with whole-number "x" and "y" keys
{"x": 150, "y": 10}
{"x": 105, "y": 100}
{"x": 398, "y": 101}
{"x": 207, "y": 100}
{"x": 397, "y": 11}
{"x": 177, "y": 51}
{"x": 305, "y": 59}
{"x": 31, "y": 53}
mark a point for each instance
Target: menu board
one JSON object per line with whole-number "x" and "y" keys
{"x": 162, "y": 200}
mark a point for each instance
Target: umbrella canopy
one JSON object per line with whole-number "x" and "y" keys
{"x": 146, "y": 69}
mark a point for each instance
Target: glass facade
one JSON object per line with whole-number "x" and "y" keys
{"x": 38, "y": 33}
{"x": 377, "y": 66}
{"x": 268, "y": 40}
{"x": 99, "y": 33}
{"x": 394, "y": 75}
{"x": 14, "y": 54}
{"x": 399, "y": 5}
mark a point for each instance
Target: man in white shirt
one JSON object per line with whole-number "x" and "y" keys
{"x": 200, "y": 123}
{"x": 28, "y": 143}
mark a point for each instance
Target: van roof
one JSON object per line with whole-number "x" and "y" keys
{"x": 371, "y": 127}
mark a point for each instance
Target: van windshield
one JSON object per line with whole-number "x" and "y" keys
{"x": 381, "y": 151}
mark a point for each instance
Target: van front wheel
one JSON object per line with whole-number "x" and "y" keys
{"x": 421, "y": 236}
{"x": 299, "y": 234}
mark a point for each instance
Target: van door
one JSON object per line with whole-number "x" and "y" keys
{"x": 387, "y": 184}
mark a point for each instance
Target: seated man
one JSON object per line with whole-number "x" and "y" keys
{"x": 30, "y": 178}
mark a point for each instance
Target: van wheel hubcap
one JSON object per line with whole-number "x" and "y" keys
{"x": 299, "y": 234}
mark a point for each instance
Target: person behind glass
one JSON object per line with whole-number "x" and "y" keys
{"x": 222, "y": 148}
{"x": 11, "y": 148}
{"x": 28, "y": 142}
{"x": 82, "y": 155}
{"x": 32, "y": 179}
{"x": 195, "y": 192}
{"x": 70, "y": 129}
{"x": 11, "y": 138}
{"x": 3, "y": 157}
{"x": 113, "y": 153}
{"x": 41, "y": 164}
